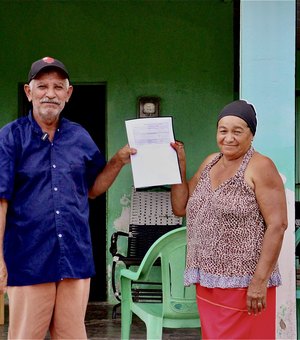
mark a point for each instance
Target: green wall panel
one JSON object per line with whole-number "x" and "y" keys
{"x": 181, "y": 51}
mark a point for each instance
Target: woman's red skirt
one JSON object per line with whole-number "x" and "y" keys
{"x": 223, "y": 314}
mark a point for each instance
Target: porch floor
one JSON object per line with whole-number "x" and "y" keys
{"x": 100, "y": 326}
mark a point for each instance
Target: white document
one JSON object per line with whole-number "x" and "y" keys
{"x": 155, "y": 162}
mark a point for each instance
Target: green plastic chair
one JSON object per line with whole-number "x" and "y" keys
{"x": 179, "y": 307}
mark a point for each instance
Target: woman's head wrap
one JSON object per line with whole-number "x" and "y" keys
{"x": 243, "y": 110}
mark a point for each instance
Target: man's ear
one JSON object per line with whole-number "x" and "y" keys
{"x": 69, "y": 93}
{"x": 28, "y": 92}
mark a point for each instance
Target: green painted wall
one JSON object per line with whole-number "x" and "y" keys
{"x": 181, "y": 51}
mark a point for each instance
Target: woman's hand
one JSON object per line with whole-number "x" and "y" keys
{"x": 179, "y": 148}
{"x": 256, "y": 297}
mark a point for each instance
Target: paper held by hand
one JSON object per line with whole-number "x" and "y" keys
{"x": 155, "y": 162}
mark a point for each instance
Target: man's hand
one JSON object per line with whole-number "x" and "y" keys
{"x": 123, "y": 155}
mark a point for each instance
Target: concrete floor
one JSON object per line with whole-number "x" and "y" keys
{"x": 101, "y": 326}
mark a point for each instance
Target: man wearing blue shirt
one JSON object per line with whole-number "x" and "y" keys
{"x": 49, "y": 168}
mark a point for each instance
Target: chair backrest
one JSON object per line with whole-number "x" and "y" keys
{"x": 143, "y": 236}
{"x": 151, "y": 216}
{"x": 178, "y": 301}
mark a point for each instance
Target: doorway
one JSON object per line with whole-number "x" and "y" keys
{"x": 87, "y": 106}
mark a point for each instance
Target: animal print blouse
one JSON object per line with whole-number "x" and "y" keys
{"x": 225, "y": 231}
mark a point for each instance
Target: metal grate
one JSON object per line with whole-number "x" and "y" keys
{"x": 152, "y": 208}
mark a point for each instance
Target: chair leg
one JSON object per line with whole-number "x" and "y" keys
{"x": 126, "y": 313}
{"x": 154, "y": 329}
{"x": 126, "y": 326}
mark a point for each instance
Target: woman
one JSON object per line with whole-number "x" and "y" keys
{"x": 236, "y": 218}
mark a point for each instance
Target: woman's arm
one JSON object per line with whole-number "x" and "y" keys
{"x": 270, "y": 195}
{"x": 180, "y": 193}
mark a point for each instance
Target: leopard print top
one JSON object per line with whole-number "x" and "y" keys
{"x": 225, "y": 231}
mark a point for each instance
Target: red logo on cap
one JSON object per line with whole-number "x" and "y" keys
{"x": 48, "y": 60}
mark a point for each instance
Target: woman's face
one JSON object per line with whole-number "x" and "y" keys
{"x": 234, "y": 136}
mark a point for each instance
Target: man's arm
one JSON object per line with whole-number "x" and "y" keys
{"x": 3, "y": 270}
{"x": 107, "y": 176}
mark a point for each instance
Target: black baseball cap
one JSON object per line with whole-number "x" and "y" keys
{"x": 46, "y": 62}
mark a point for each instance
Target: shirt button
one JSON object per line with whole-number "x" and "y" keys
{"x": 54, "y": 166}
{"x": 55, "y": 189}
{"x": 57, "y": 212}
{"x": 60, "y": 235}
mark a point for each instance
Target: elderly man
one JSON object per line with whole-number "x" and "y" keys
{"x": 49, "y": 168}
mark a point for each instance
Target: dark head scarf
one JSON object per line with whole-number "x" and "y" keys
{"x": 243, "y": 110}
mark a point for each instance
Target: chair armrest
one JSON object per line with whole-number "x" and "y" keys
{"x": 129, "y": 274}
{"x": 114, "y": 241}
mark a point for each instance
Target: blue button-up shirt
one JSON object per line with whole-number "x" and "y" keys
{"x": 47, "y": 235}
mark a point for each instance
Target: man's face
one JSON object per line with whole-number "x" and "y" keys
{"x": 48, "y": 92}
